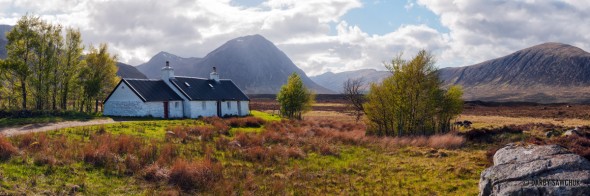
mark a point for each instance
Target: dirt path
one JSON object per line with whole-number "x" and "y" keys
{"x": 11, "y": 131}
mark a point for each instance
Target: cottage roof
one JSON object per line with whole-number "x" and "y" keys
{"x": 150, "y": 90}
{"x": 206, "y": 89}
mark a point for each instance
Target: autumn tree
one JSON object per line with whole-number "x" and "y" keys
{"x": 294, "y": 98}
{"x": 72, "y": 64}
{"x": 412, "y": 101}
{"x": 22, "y": 41}
{"x": 99, "y": 76}
{"x": 352, "y": 89}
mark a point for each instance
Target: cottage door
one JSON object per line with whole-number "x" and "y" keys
{"x": 219, "y": 108}
{"x": 166, "y": 109}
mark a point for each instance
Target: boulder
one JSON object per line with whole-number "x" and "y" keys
{"x": 536, "y": 170}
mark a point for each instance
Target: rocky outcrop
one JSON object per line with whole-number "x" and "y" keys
{"x": 536, "y": 170}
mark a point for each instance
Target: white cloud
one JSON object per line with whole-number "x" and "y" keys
{"x": 478, "y": 29}
{"x": 482, "y": 29}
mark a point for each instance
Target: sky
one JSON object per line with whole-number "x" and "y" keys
{"x": 319, "y": 35}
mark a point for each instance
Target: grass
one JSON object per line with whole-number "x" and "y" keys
{"x": 237, "y": 156}
{"x": 499, "y": 121}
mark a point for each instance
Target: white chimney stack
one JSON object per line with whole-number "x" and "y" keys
{"x": 213, "y": 75}
{"x": 167, "y": 72}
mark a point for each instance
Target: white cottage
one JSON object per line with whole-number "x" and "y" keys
{"x": 177, "y": 97}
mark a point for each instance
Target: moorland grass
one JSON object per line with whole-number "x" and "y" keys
{"x": 259, "y": 155}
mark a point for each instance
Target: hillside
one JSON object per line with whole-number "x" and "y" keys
{"x": 546, "y": 73}
{"x": 128, "y": 71}
{"x": 335, "y": 81}
{"x": 255, "y": 64}
{"x": 152, "y": 68}
{"x": 3, "y": 41}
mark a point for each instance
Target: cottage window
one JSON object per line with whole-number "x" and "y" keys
{"x": 204, "y": 105}
{"x": 228, "y": 105}
{"x": 176, "y": 104}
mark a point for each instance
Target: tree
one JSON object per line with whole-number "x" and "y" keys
{"x": 22, "y": 40}
{"x": 72, "y": 63}
{"x": 294, "y": 98}
{"x": 99, "y": 76}
{"x": 412, "y": 100}
{"x": 352, "y": 93}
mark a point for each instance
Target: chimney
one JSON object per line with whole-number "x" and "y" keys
{"x": 213, "y": 75}
{"x": 167, "y": 72}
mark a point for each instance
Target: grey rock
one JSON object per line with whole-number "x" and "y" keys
{"x": 571, "y": 132}
{"x": 536, "y": 170}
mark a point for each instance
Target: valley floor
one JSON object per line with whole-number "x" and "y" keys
{"x": 327, "y": 153}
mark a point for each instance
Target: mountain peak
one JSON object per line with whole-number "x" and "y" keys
{"x": 556, "y": 49}
{"x": 249, "y": 41}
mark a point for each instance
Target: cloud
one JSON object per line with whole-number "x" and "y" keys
{"x": 313, "y": 33}
{"x": 482, "y": 29}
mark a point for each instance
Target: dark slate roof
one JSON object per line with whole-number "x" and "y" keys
{"x": 205, "y": 89}
{"x": 150, "y": 90}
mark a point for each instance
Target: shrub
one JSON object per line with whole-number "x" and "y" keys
{"x": 167, "y": 154}
{"x": 199, "y": 175}
{"x": 245, "y": 122}
{"x": 254, "y": 154}
{"x": 155, "y": 173}
{"x": 448, "y": 141}
{"x": 7, "y": 150}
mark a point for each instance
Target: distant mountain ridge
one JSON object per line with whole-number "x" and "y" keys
{"x": 335, "y": 81}
{"x": 546, "y": 73}
{"x": 128, "y": 71}
{"x": 3, "y": 41}
{"x": 252, "y": 62}
{"x": 152, "y": 68}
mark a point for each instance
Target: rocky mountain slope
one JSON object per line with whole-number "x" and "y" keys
{"x": 152, "y": 68}
{"x": 128, "y": 71}
{"x": 335, "y": 81}
{"x": 255, "y": 64}
{"x": 3, "y": 41}
{"x": 546, "y": 73}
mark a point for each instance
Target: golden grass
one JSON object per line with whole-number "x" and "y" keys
{"x": 498, "y": 121}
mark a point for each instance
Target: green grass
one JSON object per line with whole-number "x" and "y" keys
{"x": 355, "y": 169}
{"x": 265, "y": 116}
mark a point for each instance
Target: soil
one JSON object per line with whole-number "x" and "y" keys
{"x": 10, "y": 131}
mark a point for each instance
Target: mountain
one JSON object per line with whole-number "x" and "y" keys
{"x": 128, "y": 71}
{"x": 152, "y": 68}
{"x": 546, "y": 73}
{"x": 335, "y": 81}
{"x": 3, "y": 41}
{"x": 252, "y": 62}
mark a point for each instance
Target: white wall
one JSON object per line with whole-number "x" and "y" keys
{"x": 229, "y": 109}
{"x": 123, "y": 102}
{"x": 197, "y": 109}
{"x": 245, "y": 108}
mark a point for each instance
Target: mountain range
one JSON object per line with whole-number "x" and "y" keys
{"x": 335, "y": 81}
{"x": 3, "y": 40}
{"x": 545, "y": 73}
{"x": 252, "y": 62}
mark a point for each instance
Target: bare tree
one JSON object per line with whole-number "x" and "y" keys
{"x": 353, "y": 94}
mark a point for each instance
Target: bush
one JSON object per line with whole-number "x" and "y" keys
{"x": 199, "y": 175}
{"x": 250, "y": 121}
{"x": 155, "y": 173}
{"x": 448, "y": 141}
{"x": 7, "y": 150}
